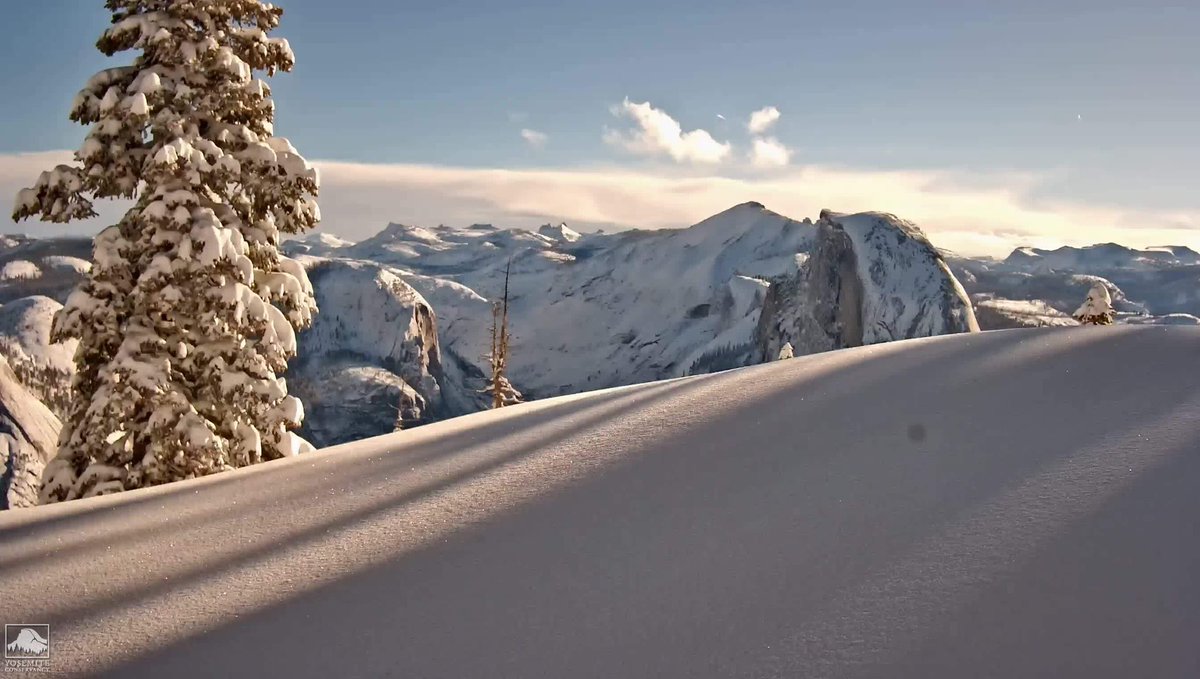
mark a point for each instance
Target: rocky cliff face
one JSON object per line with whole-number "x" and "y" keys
{"x": 371, "y": 357}
{"x": 908, "y": 290}
{"x": 817, "y": 308}
{"x": 28, "y": 439}
{"x": 870, "y": 278}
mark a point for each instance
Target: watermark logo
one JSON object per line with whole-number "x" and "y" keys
{"x": 26, "y": 647}
{"x": 27, "y": 641}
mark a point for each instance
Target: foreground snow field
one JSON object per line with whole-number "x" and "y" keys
{"x": 1016, "y": 503}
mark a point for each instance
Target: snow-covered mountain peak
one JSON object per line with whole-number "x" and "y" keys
{"x": 561, "y": 233}
{"x": 328, "y": 240}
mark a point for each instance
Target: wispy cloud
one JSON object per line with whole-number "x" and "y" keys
{"x": 658, "y": 134}
{"x": 969, "y": 213}
{"x": 534, "y": 138}
{"x": 769, "y": 153}
{"x": 762, "y": 120}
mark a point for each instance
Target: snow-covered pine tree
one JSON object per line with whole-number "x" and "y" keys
{"x": 189, "y": 313}
{"x": 502, "y": 391}
{"x": 1097, "y": 309}
{"x": 786, "y": 351}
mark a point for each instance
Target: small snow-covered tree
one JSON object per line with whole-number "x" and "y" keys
{"x": 189, "y": 314}
{"x": 502, "y": 391}
{"x": 1097, "y": 309}
{"x": 786, "y": 351}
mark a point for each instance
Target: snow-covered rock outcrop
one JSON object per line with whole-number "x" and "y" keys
{"x": 43, "y": 367}
{"x": 562, "y": 233}
{"x": 997, "y": 314}
{"x": 28, "y": 439}
{"x": 25, "y": 334}
{"x": 372, "y": 353}
{"x": 871, "y": 278}
{"x": 19, "y": 268}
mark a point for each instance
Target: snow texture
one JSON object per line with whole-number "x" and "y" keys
{"x": 929, "y": 508}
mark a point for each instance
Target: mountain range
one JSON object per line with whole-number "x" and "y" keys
{"x": 404, "y": 323}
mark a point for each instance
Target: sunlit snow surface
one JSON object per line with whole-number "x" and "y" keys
{"x": 1005, "y": 504}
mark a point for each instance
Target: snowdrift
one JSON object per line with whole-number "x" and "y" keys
{"x": 1015, "y": 503}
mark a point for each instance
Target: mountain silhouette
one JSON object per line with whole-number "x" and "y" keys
{"x": 29, "y": 642}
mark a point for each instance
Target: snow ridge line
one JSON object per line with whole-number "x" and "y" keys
{"x": 226, "y": 592}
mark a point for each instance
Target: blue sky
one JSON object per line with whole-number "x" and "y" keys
{"x": 1071, "y": 107}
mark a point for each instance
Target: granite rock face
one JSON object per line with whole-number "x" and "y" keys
{"x": 28, "y": 439}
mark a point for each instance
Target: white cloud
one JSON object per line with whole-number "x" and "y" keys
{"x": 769, "y": 152}
{"x": 762, "y": 119}
{"x": 534, "y": 138}
{"x": 968, "y": 213}
{"x": 658, "y": 134}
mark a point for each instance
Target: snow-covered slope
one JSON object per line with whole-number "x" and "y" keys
{"x": 28, "y": 439}
{"x": 25, "y": 334}
{"x": 42, "y": 367}
{"x": 70, "y": 264}
{"x": 932, "y": 508}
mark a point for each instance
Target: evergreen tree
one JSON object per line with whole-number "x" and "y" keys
{"x": 786, "y": 351}
{"x": 503, "y": 392}
{"x": 189, "y": 313}
{"x": 1097, "y": 309}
